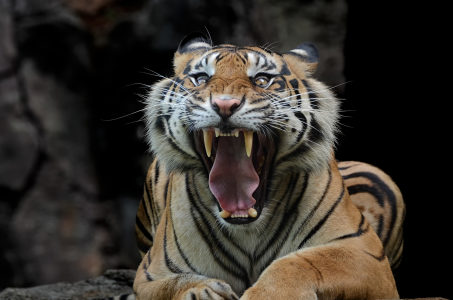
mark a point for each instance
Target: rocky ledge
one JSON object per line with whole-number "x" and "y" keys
{"x": 112, "y": 283}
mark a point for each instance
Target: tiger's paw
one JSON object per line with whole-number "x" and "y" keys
{"x": 210, "y": 290}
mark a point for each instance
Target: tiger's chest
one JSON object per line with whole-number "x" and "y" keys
{"x": 203, "y": 243}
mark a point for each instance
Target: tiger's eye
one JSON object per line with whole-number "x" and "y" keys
{"x": 261, "y": 81}
{"x": 199, "y": 79}
{"x": 202, "y": 79}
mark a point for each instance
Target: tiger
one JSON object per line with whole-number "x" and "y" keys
{"x": 245, "y": 199}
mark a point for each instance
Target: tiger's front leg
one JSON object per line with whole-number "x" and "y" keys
{"x": 335, "y": 271}
{"x": 159, "y": 277}
{"x": 183, "y": 287}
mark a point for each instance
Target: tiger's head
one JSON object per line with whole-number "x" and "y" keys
{"x": 242, "y": 116}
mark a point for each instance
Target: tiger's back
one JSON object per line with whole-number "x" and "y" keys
{"x": 380, "y": 200}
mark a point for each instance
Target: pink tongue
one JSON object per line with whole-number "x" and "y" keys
{"x": 233, "y": 178}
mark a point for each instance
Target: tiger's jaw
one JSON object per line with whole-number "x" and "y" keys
{"x": 238, "y": 162}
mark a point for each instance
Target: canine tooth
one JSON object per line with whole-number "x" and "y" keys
{"x": 207, "y": 137}
{"x": 248, "y": 139}
{"x": 217, "y": 132}
{"x": 236, "y": 133}
{"x": 252, "y": 212}
{"x": 225, "y": 214}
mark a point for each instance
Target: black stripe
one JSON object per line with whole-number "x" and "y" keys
{"x": 168, "y": 262}
{"x": 258, "y": 100}
{"x": 347, "y": 167}
{"x": 311, "y": 94}
{"x": 148, "y": 276}
{"x": 295, "y": 86}
{"x": 168, "y": 88}
{"x": 315, "y": 134}
{"x": 391, "y": 198}
{"x": 142, "y": 228}
{"x": 248, "y": 49}
{"x": 159, "y": 124}
{"x": 315, "y": 208}
{"x": 381, "y": 227}
{"x": 145, "y": 267}
{"x": 145, "y": 208}
{"x": 358, "y": 233}
{"x": 365, "y": 188}
{"x": 314, "y": 137}
{"x": 156, "y": 172}
{"x": 220, "y": 57}
{"x": 284, "y": 70}
{"x": 303, "y": 120}
{"x": 191, "y": 105}
{"x": 257, "y": 109}
{"x": 166, "y": 192}
{"x": 316, "y": 228}
{"x": 281, "y": 85}
{"x": 381, "y": 257}
{"x": 142, "y": 246}
{"x": 244, "y": 61}
{"x": 188, "y": 67}
{"x": 319, "y": 276}
{"x": 153, "y": 220}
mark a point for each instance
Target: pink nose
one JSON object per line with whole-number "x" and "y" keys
{"x": 225, "y": 108}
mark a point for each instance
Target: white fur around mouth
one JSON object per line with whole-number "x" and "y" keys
{"x": 208, "y": 135}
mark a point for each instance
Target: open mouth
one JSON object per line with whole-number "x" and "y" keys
{"x": 238, "y": 162}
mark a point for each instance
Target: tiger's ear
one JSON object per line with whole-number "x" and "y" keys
{"x": 305, "y": 56}
{"x": 192, "y": 45}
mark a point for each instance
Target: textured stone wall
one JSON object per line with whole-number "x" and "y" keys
{"x": 71, "y": 166}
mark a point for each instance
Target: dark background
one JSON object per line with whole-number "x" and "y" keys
{"x": 72, "y": 159}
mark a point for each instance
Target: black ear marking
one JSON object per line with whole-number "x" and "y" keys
{"x": 306, "y": 51}
{"x": 193, "y": 42}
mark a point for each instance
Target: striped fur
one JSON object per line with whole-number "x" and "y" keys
{"x": 311, "y": 240}
{"x": 380, "y": 201}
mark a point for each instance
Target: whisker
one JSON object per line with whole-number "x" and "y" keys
{"x": 124, "y": 116}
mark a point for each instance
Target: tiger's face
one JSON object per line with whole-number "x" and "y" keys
{"x": 242, "y": 116}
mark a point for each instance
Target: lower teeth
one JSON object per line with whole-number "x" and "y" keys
{"x": 251, "y": 213}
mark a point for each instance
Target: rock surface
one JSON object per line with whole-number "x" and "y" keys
{"x": 112, "y": 283}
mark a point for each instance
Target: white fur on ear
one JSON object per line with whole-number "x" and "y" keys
{"x": 307, "y": 52}
{"x": 193, "y": 42}
{"x": 307, "y": 55}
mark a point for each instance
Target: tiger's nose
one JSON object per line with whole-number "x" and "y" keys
{"x": 225, "y": 106}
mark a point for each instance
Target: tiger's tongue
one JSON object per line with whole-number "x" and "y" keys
{"x": 233, "y": 178}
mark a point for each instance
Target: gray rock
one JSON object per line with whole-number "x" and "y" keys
{"x": 19, "y": 142}
{"x": 112, "y": 283}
